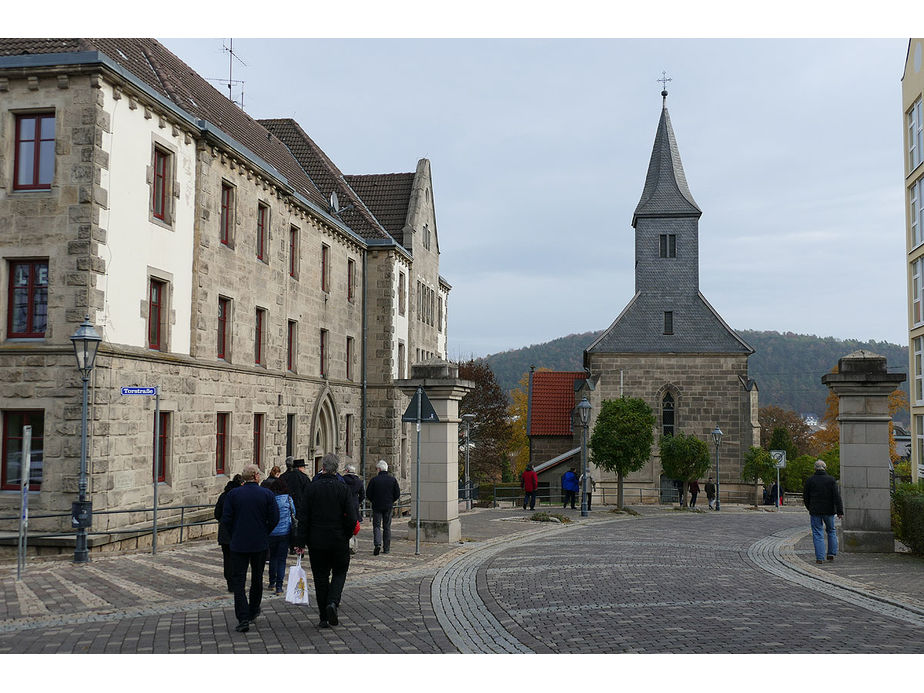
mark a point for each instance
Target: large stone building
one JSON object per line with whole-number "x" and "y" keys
{"x": 272, "y": 299}
{"x": 913, "y": 128}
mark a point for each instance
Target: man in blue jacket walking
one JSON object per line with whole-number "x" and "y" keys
{"x": 250, "y": 514}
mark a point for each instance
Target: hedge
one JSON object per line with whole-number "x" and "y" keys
{"x": 908, "y": 516}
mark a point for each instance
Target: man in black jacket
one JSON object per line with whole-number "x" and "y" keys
{"x": 326, "y": 520}
{"x": 823, "y": 500}
{"x": 250, "y": 514}
{"x": 382, "y": 492}
{"x": 297, "y": 480}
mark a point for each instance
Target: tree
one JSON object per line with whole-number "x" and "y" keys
{"x": 683, "y": 457}
{"x": 781, "y": 440}
{"x": 490, "y": 429}
{"x": 773, "y": 417}
{"x": 622, "y": 438}
{"x": 519, "y": 410}
{"x": 758, "y": 466}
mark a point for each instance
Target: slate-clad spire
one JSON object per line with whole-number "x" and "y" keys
{"x": 666, "y": 193}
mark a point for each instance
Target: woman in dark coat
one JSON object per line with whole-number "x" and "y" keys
{"x": 224, "y": 534}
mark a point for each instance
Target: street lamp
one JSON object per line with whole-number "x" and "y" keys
{"x": 467, "y": 420}
{"x": 86, "y": 342}
{"x": 583, "y": 408}
{"x": 717, "y": 439}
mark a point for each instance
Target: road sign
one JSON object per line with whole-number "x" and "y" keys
{"x": 779, "y": 458}
{"x": 427, "y": 414}
{"x": 139, "y": 390}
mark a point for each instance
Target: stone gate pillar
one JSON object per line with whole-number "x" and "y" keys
{"x": 862, "y": 386}
{"x": 439, "y": 451}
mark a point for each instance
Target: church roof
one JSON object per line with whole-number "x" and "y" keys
{"x": 666, "y": 193}
{"x": 552, "y": 401}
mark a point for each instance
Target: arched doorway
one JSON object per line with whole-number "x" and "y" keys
{"x": 325, "y": 430}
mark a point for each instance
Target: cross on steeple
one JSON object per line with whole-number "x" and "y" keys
{"x": 663, "y": 79}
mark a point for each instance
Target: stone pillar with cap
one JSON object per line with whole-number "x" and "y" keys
{"x": 863, "y": 385}
{"x": 439, "y": 451}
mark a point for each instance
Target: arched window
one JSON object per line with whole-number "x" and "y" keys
{"x": 667, "y": 414}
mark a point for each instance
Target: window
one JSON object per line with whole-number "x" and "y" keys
{"x": 402, "y": 361}
{"x": 293, "y": 252}
{"x": 11, "y": 472}
{"x": 324, "y": 353}
{"x": 34, "y": 164}
{"x": 224, "y": 308}
{"x": 162, "y": 451}
{"x": 918, "y": 393}
{"x": 161, "y": 178}
{"x": 919, "y": 435}
{"x": 258, "y": 439}
{"x": 351, "y": 280}
{"x": 262, "y": 219}
{"x": 402, "y": 293}
{"x": 668, "y": 245}
{"x": 439, "y": 314}
{"x": 290, "y": 435}
{"x": 290, "y": 346}
{"x": 668, "y": 322}
{"x": 348, "y": 442}
{"x": 915, "y": 137}
{"x": 325, "y": 268}
{"x": 157, "y": 302}
{"x": 667, "y": 415}
{"x": 917, "y": 213}
{"x": 917, "y": 289}
{"x": 227, "y": 214}
{"x": 259, "y": 321}
{"x": 349, "y": 358}
{"x": 221, "y": 443}
{"x": 28, "y": 299}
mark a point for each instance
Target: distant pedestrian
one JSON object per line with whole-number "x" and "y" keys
{"x": 224, "y": 534}
{"x": 271, "y": 477}
{"x": 279, "y": 538}
{"x": 250, "y": 512}
{"x": 823, "y": 501}
{"x": 694, "y": 492}
{"x": 529, "y": 481}
{"x": 289, "y": 461}
{"x": 591, "y": 487}
{"x": 383, "y": 492}
{"x": 710, "y": 493}
{"x": 569, "y": 487}
{"x": 358, "y": 494}
{"x": 297, "y": 480}
{"x": 326, "y": 521}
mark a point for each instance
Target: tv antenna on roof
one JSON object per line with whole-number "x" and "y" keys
{"x": 232, "y": 56}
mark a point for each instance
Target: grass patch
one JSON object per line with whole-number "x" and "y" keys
{"x": 625, "y": 511}
{"x": 550, "y": 517}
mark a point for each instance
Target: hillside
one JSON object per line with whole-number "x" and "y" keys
{"x": 787, "y": 367}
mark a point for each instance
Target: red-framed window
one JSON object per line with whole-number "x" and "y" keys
{"x": 290, "y": 346}
{"x": 157, "y": 301}
{"x": 349, "y": 358}
{"x": 221, "y": 442}
{"x": 325, "y": 268}
{"x": 163, "y": 450}
{"x": 11, "y": 469}
{"x": 323, "y": 352}
{"x": 161, "y": 169}
{"x": 224, "y": 308}
{"x": 258, "y": 420}
{"x": 28, "y": 298}
{"x": 227, "y": 212}
{"x": 262, "y": 219}
{"x": 259, "y": 320}
{"x": 293, "y": 251}
{"x": 351, "y": 280}
{"x": 35, "y": 151}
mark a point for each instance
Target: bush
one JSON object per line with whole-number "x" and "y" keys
{"x": 908, "y": 516}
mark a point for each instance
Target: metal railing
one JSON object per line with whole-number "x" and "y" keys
{"x": 504, "y": 495}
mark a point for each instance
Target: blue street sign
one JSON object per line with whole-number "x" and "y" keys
{"x": 139, "y": 390}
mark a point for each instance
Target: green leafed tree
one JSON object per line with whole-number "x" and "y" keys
{"x": 758, "y": 466}
{"x": 683, "y": 457}
{"x": 490, "y": 429}
{"x": 622, "y": 438}
{"x": 781, "y": 439}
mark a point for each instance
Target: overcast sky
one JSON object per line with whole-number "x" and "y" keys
{"x": 539, "y": 150}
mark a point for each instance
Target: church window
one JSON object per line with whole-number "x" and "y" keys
{"x": 668, "y": 322}
{"x": 668, "y": 245}
{"x": 667, "y": 415}
{"x": 915, "y": 136}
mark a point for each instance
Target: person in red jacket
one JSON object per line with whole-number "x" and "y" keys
{"x": 529, "y": 481}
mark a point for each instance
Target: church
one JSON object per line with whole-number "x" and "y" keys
{"x": 668, "y": 347}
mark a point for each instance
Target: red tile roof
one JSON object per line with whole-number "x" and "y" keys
{"x": 552, "y": 402}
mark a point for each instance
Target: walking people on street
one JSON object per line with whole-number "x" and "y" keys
{"x": 355, "y": 485}
{"x": 224, "y": 535}
{"x": 529, "y": 481}
{"x": 383, "y": 492}
{"x": 569, "y": 487}
{"x": 279, "y": 537}
{"x": 823, "y": 501}
{"x": 694, "y": 492}
{"x": 250, "y": 513}
{"x": 591, "y": 487}
{"x": 271, "y": 477}
{"x": 326, "y": 521}
{"x": 710, "y": 493}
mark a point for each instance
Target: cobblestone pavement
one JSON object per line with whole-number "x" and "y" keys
{"x": 669, "y": 582}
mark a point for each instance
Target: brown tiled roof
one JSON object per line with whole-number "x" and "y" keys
{"x": 552, "y": 402}
{"x": 161, "y": 70}
{"x": 388, "y": 195}
{"x": 326, "y": 176}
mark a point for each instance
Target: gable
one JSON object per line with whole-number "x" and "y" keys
{"x": 552, "y": 401}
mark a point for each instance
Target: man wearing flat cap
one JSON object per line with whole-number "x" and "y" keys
{"x": 823, "y": 501}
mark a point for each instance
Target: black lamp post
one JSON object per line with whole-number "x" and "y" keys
{"x": 467, "y": 420}
{"x": 86, "y": 342}
{"x": 717, "y": 439}
{"x": 584, "y": 412}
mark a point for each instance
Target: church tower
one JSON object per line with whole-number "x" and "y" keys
{"x": 669, "y": 346}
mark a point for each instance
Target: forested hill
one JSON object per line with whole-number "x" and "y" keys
{"x": 787, "y": 367}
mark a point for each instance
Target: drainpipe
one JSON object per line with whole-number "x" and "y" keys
{"x": 362, "y": 428}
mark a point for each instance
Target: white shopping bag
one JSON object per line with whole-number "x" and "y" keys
{"x": 297, "y": 587}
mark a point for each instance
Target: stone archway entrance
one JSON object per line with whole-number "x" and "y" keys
{"x": 325, "y": 431}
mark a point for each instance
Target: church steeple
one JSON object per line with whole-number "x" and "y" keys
{"x": 666, "y": 193}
